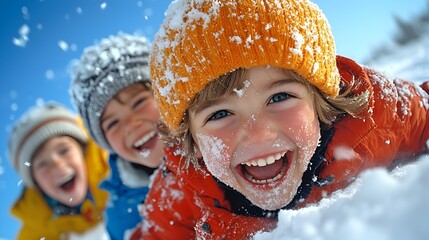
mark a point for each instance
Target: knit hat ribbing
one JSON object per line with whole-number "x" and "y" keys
{"x": 35, "y": 127}
{"x": 103, "y": 70}
{"x": 202, "y": 40}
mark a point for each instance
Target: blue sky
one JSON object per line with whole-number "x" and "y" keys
{"x": 38, "y": 72}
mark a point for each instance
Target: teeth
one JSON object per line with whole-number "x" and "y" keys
{"x": 263, "y": 162}
{"x": 65, "y": 179}
{"x": 144, "y": 139}
{"x": 263, "y": 181}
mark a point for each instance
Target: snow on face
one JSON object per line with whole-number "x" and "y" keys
{"x": 241, "y": 92}
{"x": 306, "y": 140}
{"x": 254, "y": 135}
{"x": 214, "y": 155}
{"x": 217, "y": 156}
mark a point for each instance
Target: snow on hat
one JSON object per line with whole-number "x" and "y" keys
{"x": 103, "y": 70}
{"x": 36, "y": 126}
{"x": 202, "y": 40}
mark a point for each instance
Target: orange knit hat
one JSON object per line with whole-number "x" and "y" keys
{"x": 201, "y": 40}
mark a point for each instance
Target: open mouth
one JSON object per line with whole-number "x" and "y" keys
{"x": 68, "y": 183}
{"x": 146, "y": 143}
{"x": 265, "y": 170}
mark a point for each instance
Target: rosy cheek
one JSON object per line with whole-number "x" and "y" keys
{"x": 301, "y": 125}
{"x": 307, "y": 134}
{"x": 311, "y": 135}
{"x": 153, "y": 113}
{"x": 215, "y": 154}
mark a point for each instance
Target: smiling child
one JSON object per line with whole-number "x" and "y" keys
{"x": 112, "y": 91}
{"x": 61, "y": 169}
{"x": 266, "y": 117}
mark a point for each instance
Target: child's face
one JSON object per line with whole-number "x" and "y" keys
{"x": 129, "y": 124}
{"x": 59, "y": 169}
{"x": 259, "y": 139}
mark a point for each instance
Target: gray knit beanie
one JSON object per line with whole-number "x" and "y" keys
{"x": 103, "y": 70}
{"x": 36, "y": 126}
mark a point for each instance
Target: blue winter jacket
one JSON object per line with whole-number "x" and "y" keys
{"x": 121, "y": 211}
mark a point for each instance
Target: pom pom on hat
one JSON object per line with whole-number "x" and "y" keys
{"x": 103, "y": 70}
{"x": 34, "y": 128}
{"x": 202, "y": 40}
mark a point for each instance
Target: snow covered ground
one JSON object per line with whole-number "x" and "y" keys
{"x": 379, "y": 205}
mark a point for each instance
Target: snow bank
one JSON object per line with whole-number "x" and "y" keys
{"x": 379, "y": 206}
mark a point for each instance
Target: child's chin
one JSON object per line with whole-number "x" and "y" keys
{"x": 75, "y": 200}
{"x": 269, "y": 206}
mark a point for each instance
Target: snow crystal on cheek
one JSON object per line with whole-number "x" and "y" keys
{"x": 344, "y": 153}
{"x": 214, "y": 154}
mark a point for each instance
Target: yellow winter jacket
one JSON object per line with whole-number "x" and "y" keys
{"x": 37, "y": 217}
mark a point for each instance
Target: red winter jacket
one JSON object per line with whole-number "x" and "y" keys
{"x": 189, "y": 204}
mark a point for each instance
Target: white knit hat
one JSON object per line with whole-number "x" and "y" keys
{"x": 103, "y": 70}
{"x": 35, "y": 127}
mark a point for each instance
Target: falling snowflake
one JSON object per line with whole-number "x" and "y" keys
{"x": 49, "y": 74}
{"x": 63, "y": 45}
{"x": 22, "y": 40}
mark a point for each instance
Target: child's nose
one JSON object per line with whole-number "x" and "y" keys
{"x": 256, "y": 130}
{"x": 58, "y": 162}
{"x": 131, "y": 123}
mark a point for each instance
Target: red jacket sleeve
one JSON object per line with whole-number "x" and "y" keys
{"x": 167, "y": 212}
{"x": 395, "y": 126}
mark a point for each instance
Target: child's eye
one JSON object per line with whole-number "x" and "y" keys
{"x": 111, "y": 124}
{"x": 63, "y": 150}
{"x": 278, "y": 97}
{"x": 138, "y": 102}
{"x": 41, "y": 164}
{"x": 218, "y": 115}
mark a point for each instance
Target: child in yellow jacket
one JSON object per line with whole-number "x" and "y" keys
{"x": 53, "y": 156}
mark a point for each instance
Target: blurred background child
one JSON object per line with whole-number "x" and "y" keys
{"x": 61, "y": 169}
{"x": 112, "y": 91}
